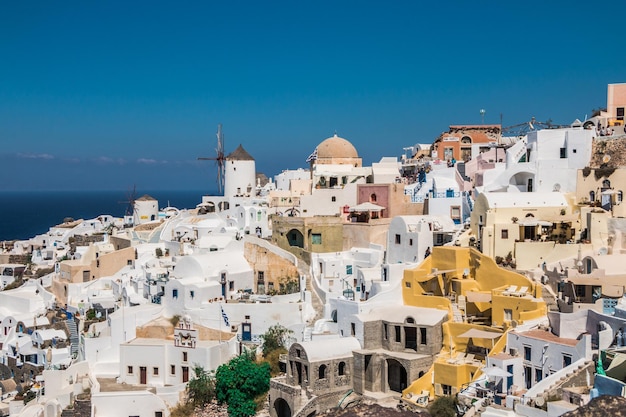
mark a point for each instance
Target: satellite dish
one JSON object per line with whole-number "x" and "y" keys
{"x": 603, "y": 251}
{"x": 556, "y": 187}
{"x": 513, "y": 323}
{"x": 606, "y": 158}
{"x": 540, "y": 401}
{"x": 466, "y": 272}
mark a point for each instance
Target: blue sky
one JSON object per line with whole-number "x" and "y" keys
{"x": 104, "y": 95}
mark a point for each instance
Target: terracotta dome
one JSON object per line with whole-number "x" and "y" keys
{"x": 336, "y": 147}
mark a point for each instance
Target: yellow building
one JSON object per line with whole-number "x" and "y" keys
{"x": 483, "y": 301}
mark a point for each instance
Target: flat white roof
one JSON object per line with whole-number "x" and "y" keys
{"x": 321, "y": 349}
{"x": 398, "y": 314}
{"x": 503, "y": 199}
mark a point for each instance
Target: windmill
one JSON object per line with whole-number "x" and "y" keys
{"x": 220, "y": 159}
{"x": 131, "y": 196}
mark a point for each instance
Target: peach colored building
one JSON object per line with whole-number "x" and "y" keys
{"x": 458, "y": 140}
{"x": 616, "y": 103}
{"x": 100, "y": 260}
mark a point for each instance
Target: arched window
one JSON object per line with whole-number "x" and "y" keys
{"x": 466, "y": 140}
{"x": 322, "y": 372}
{"x": 342, "y": 368}
{"x": 606, "y": 184}
{"x": 619, "y": 196}
{"x": 373, "y": 198}
{"x": 410, "y": 320}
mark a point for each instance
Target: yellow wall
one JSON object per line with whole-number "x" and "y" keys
{"x": 522, "y": 308}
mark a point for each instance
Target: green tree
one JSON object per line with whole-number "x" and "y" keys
{"x": 201, "y": 388}
{"x": 274, "y": 338}
{"x": 443, "y": 407}
{"x": 239, "y": 382}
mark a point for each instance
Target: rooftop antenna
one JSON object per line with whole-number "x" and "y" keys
{"x": 220, "y": 159}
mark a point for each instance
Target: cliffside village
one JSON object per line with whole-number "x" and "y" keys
{"x": 486, "y": 265}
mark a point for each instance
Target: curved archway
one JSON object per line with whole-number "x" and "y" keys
{"x": 523, "y": 181}
{"x": 396, "y": 375}
{"x": 295, "y": 238}
{"x": 282, "y": 408}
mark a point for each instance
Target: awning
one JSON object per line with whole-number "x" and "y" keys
{"x": 480, "y": 334}
{"x": 534, "y": 222}
{"x": 367, "y": 207}
{"x": 494, "y": 371}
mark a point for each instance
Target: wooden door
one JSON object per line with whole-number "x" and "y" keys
{"x": 185, "y": 373}
{"x": 143, "y": 373}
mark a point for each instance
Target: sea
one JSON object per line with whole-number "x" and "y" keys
{"x": 24, "y": 214}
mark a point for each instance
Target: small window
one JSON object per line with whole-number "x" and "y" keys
{"x": 407, "y": 284}
{"x": 155, "y": 371}
{"x": 342, "y": 368}
{"x": 231, "y": 285}
{"x": 352, "y": 329}
{"x": 192, "y": 294}
{"x": 398, "y": 334}
{"x": 423, "y": 338}
{"x": 173, "y": 369}
{"x": 373, "y": 198}
{"x": 567, "y": 360}
{"x": 538, "y": 374}
{"x": 130, "y": 370}
{"x": 455, "y": 212}
{"x": 447, "y": 389}
{"x": 410, "y": 242}
{"x": 175, "y": 293}
{"x": 527, "y": 353}
{"x": 563, "y": 152}
{"x": 398, "y": 239}
{"x": 158, "y": 414}
{"x": 385, "y": 331}
{"x": 129, "y": 262}
{"x": 322, "y": 372}
{"x": 333, "y": 199}
{"x": 505, "y": 233}
{"x": 316, "y": 238}
{"x": 184, "y": 356}
{"x": 348, "y": 269}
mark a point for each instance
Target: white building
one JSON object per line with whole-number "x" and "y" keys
{"x": 410, "y": 237}
{"x": 198, "y": 279}
{"x": 240, "y": 174}
{"x": 145, "y": 210}
{"x": 546, "y": 160}
{"x": 341, "y": 274}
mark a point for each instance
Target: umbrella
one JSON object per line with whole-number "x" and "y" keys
{"x": 496, "y": 372}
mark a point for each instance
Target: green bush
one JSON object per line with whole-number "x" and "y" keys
{"x": 274, "y": 338}
{"x": 443, "y": 407}
{"x": 201, "y": 388}
{"x": 240, "y": 382}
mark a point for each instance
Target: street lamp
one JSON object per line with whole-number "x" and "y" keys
{"x": 482, "y": 116}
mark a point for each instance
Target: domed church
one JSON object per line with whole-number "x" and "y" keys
{"x": 336, "y": 151}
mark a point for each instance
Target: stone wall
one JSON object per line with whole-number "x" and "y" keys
{"x": 276, "y": 269}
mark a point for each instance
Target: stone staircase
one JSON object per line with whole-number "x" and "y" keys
{"x": 303, "y": 269}
{"x": 457, "y": 315}
{"x": 74, "y": 337}
{"x": 549, "y": 299}
{"x": 308, "y": 334}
